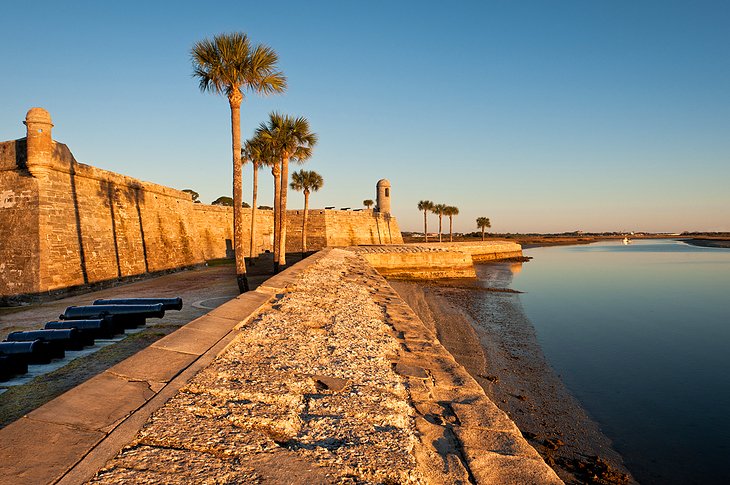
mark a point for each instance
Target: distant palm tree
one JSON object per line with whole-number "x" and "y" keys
{"x": 425, "y": 206}
{"x": 230, "y": 65}
{"x": 254, "y": 150}
{"x": 368, "y": 203}
{"x": 289, "y": 139}
{"x": 306, "y": 181}
{"x": 451, "y": 211}
{"x": 483, "y": 223}
{"x": 439, "y": 209}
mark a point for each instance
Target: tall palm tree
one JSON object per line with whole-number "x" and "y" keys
{"x": 254, "y": 151}
{"x": 425, "y": 206}
{"x": 451, "y": 211}
{"x": 483, "y": 223}
{"x": 439, "y": 209}
{"x": 290, "y": 139}
{"x": 368, "y": 203}
{"x": 306, "y": 181}
{"x": 230, "y": 65}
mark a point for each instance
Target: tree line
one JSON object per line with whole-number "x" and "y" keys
{"x": 446, "y": 210}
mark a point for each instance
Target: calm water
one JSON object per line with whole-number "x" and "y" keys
{"x": 641, "y": 336}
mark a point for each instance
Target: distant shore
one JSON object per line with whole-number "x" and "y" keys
{"x": 533, "y": 241}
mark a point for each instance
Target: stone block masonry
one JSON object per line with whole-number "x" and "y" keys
{"x": 66, "y": 226}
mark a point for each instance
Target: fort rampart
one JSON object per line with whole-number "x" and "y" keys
{"x": 65, "y": 225}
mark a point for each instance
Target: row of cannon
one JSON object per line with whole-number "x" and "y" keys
{"x": 78, "y": 327}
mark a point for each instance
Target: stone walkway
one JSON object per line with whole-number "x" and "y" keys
{"x": 334, "y": 381}
{"x": 305, "y": 393}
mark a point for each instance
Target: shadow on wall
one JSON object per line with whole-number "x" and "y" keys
{"x": 115, "y": 196}
{"x": 21, "y": 155}
{"x": 77, "y": 214}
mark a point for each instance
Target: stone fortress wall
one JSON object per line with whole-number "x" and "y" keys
{"x": 66, "y": 225}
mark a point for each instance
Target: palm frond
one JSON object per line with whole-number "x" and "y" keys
{"x": 425, "y": 205}
{"x": 306, "y": 180}
{"x": 228, "y": 63}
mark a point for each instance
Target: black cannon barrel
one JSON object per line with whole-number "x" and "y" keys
{"x": 67, "y": 338}
{"x": 58, "y": 340}
{"x": 124, "y": 316}
{"x": 36, "y": 352}
{"x": 95, "y": 329}
{"x": 11, "y": 365}
{"x": 167, "y": 303}
{"x": 83, "y": 312}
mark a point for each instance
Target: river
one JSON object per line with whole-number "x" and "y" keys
{"x": 640, "y": 334}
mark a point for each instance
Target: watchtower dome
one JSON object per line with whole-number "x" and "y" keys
{"x": 383, "y": 197}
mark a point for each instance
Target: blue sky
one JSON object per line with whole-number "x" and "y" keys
{"x": 543, "y": 116}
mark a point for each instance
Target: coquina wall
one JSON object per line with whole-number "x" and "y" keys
{"x": 66, "y": 225}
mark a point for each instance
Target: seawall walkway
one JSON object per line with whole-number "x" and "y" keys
{"x": 321, "y": 375}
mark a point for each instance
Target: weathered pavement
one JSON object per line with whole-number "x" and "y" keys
{"x": 329, "y": 378}
{"x": 336, "y": 381}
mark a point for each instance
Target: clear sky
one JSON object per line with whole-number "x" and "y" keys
{"x": 542, "y": 115}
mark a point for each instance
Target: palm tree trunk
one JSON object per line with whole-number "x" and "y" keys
{"x": 304, "y": 222}
{"x": 451, "y": 232}
{"x": 425, "y": 224}
{"x": 282, "y": 206}
{"x": 235, "y": 103}
{"x": 440, "y": 227}
{"x": 253, "y": 209}
{"x": 276, "y": 172}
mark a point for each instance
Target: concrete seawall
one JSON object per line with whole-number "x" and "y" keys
{"x": 481, "y": 250}
{"x": 320, "y": 375}
{"x": 435, "y": 260}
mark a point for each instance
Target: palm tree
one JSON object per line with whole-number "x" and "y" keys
{"x": 254, "y": 150}
{"x": 425, "y": 206}
{"x": 289, "y": 139}
{"x": 439, "y": 209}
{"x": 451, "y": 211}
{"x": 306, "y": 181}
{"x": 368, "y": 203}
{"x": 483, "y": 223}
{"x": 230, "y": 65}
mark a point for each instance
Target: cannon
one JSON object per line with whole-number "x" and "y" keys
{"x": 123, "y": 316}
{"x": 101, "y": 328}
{"x": 167, "y": 303}
{"x": 59, "y": 341}
{"x": 36, "y": 352}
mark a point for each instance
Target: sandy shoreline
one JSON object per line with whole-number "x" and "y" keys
{"x": 488, "y": 333}
{"x": 708, "y": 243}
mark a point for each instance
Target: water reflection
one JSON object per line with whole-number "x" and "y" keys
{"x": 640, "y": 334}
{"x": 515, "y": 268}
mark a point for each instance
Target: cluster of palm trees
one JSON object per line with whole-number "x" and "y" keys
{"x": 441, "y": 210}
{"x": 230, "y": 65}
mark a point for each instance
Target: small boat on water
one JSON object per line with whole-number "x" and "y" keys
{"x": 627, "y": 241}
